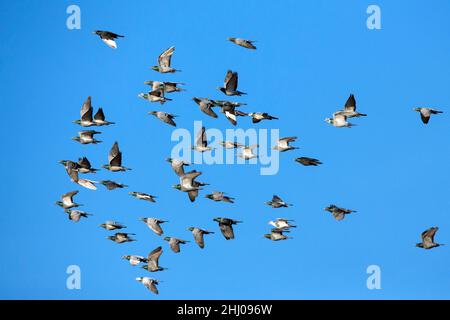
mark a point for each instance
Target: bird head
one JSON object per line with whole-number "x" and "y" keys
{"x": 419, "y": 245}
{"x": 103, "y": 225}
{"x": 156, "y": 68}
{"x": 97, "y": 32}
{"x": 191, "y": 228}
{"x": 76, "y": 138}
{"x": 167, "y": 238}
{"x": 268, "y": 236}
{"x": 106, "y": 166}
{"x": 126, "y": 257}
{"x": 143, "y": 219}
{"x": 176, "y": 186}
{"x": 111, "y": 238}
{"x": 417, "y": 109}
{"x": 328, "y": 120}
{"x": 59, "y": 203}
{"x": 77, "y": 121}
{"x": 231, "y": 39}
{"x": 152, "y": 113}
{"x": 139, "y": 279}
{"x": 217, "y": 219}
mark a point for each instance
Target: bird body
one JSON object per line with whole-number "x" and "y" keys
{"x": 149, "y": 283}
{"x": 111, "y": 185}
{"x": 201, "y": 142}
{"x": 134, "y": 259}
{"x": 230, "y": 84}
{"x": 67, "y": 200}
{"x": 247, "y": 152}
{"x": 283, "y": 144}
{"x": 112, "y": 225}
{"x": 226, "y": 227}
{"x": 121, "y": 237}
{"x": 339, "y": 121}
{"x": 76, "y": 215}
{"x": 174, "y": 243}
{"x": 164, "y": 117}
{"x": 282, "y": 223}
{"x": 115, "y": 159}
{"x": 243, "y": 43}
{"x": 426, "y": 113}
{"x": 338, "y": 213}
{"x": 218, "y": 196}
{"x": 164, "y": 62}
{"x": 277, "y": 235}
{"x": 142, "y": 196}
{"x": 277, "y": 202}
{"x": 350, "y": 108}
{"x": 108, "y": 38}
{"x": 428, "y": 239}
{"x": 154, "y": 224}
{"x": 259, "y": 116}
{"x": 308, "y": 161}
{"x": 87, "y": 137}
{"x": 198, "y": 235}
{"x": 206, "y": 106}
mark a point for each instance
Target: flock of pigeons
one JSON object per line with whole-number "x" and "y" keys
{"x": 187, "y": 180}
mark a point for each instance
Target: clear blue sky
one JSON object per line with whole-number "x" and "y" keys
{"x": 311, "y": 54}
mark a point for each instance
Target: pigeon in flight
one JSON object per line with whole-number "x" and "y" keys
{"x": 226, "y": 227}
{"x": 115, "y": 159}
{"x": 230, "y": 84}
{"x": 164, "y": 60}
{"x": 308, "y": 161}
{"x": 425, "y": 113}
{"x": 164, "y": 117}
{"x": 198, "y": 235}
{"x": 428, "y": 239}
{"x": 277, "y": 202}
{"x": 67, "y": 200}
{"x": 108, "y": 37}
{"x": 243, "y": 42}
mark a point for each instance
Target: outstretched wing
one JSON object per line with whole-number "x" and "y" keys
{"x": 350, "y": 105}
{"x": 115, "y": 156}
{"x": 86, "y": 110}
{"x": 164, "y": 58}
{"x": 99, "y": 115}
{"x": 227, "y": 231}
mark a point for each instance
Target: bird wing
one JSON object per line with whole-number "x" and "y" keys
{"x": 232, "y": 83}
{"x": 227, "y": 78}
{"x": 99, "y": 115}
{"x": 198, "y": 237}
{"x": 110, "y": 35}
{"x": 84, "y": 163}
{"x": 67, "y": 197}
{"x": 153, "y": 257}
{"x": 425, "y": 117}
{"x": 227, "y": 231}
{"x": 115, "y": 156}
{"x": 201, "y": 140}
{"x": 155, "y": 227}
{"x": 428, "y": 235}
{"x": 174, "y": 245}
{"x": 86, "y": 110}
{"x": 87, "y": 184}
{"x": 167, "y": 118}
{"x": 164, "y": 58}
{"x": 276, "y": 198}
{"x": 350, "y": 105}
{"x": 193, "y": 194}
